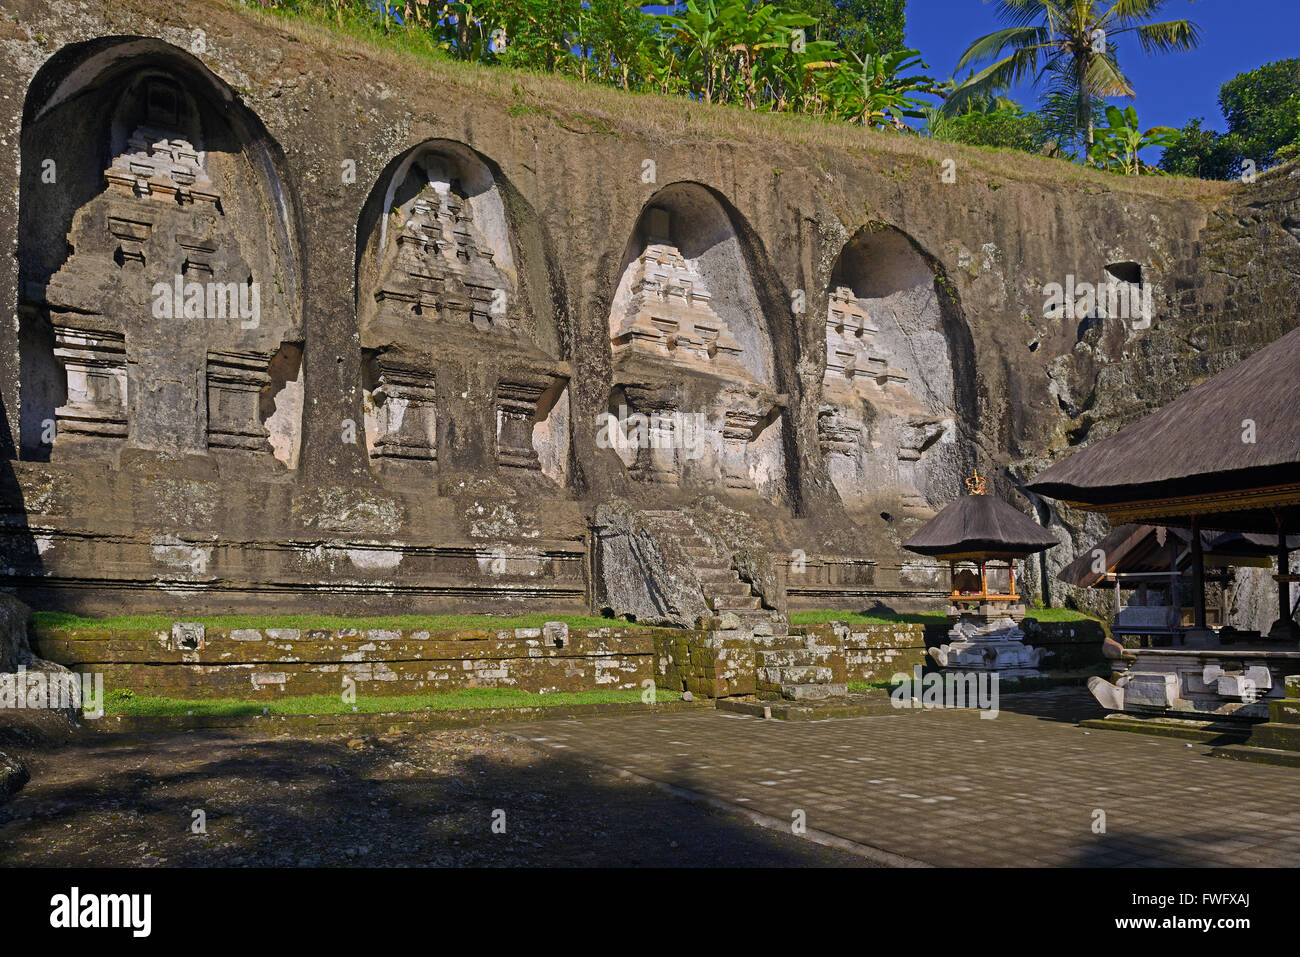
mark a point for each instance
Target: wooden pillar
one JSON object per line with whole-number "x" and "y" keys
{"x": 1011, "y": 567}
{"x": 1283, "y": 586}
{"x": 984, "y": 580}
{"x": 1198, "y": 574}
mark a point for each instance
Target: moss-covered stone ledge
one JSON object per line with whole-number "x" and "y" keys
{"x": 876, "y": 647}
{"x": 192, "y": 660}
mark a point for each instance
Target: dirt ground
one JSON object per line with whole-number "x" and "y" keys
{"x": 414, "y": 799}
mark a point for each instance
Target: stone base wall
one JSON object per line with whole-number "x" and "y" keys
{"x": 853, "y": 584}
{"x": 280, "y": 662}
{"x": 876, "y": 652}
{"x": 706, "y": 666}
{"x": 1075, "y": 645}
{"x": 97, "y": 541}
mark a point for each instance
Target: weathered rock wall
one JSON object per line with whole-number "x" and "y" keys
{"x": 571, "y": 167}
{"x": 1234, "y": 290}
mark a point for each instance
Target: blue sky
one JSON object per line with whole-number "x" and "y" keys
{"x": 1171, "y": 88}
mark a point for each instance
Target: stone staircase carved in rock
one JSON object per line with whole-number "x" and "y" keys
{"x": 755, "y": 652}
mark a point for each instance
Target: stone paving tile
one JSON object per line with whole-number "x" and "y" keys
{"x": 949, "y": 788}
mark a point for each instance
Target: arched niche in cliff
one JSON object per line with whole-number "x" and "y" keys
{"x": 897, "y": 389}
{"x": 694, "y": 399}
{"x": 159, "y": 306}
{"x": 458, "y": 332}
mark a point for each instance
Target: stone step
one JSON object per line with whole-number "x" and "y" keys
{"x": 1285, "y": 710}
{"x": 1244, "y": 752}
{"x": 813, "y": 692}
{"x": 763, "y": 621}
{"x": 753, "y": 635}
{"x": 707, "y": 575}
{"x": 733, "y": 603}
{"x": 797, "y": 675}
{"x": 722, "y": 589}
{"x": 773, "y": 642}
{"x": 702, "y": 554}
{"x": 1283, "y": 737}
{"x": 790, "y": 657}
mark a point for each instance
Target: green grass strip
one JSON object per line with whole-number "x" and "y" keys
{"x": 120, "y": 702}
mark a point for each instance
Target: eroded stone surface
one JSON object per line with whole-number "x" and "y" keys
{"x": 498, "y": 416}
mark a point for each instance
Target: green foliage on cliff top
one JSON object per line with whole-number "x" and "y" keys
{"x": 538, "y": 96}
{"x": 51, "y": 620}
{"x": 1262, "y": 110}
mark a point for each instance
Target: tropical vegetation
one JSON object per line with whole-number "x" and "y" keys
{"x": 847, "y": 61}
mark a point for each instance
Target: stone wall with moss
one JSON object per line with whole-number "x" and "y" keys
{"x": 195, "y": 662}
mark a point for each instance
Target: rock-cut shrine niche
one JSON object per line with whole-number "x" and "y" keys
{"x": 455, "y": 349}
{"x": 693, "y": 402}
{"x": 886, "y": 419}
{"x": 157, "y": 311}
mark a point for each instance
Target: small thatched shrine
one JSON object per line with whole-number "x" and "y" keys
{"x": 982, "y": 537}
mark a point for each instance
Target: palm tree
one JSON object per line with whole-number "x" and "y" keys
{"x": 1072, "y": 41}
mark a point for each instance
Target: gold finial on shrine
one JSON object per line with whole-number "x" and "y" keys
{"x": 975, "y": 484}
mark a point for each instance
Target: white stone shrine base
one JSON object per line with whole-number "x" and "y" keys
{"x": 988, "y": 643}
{"x": 1222, "y": 683}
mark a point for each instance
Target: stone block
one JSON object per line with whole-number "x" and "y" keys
{"x": 188, "y": 636}
{"x": 1154, "y": 690}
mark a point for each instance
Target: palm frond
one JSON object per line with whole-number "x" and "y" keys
{"x": 992, "y": 45}
{"x": 1104, "y": 77}
{"x": 1168, "y": 36}
{"x": 1001, "y": 75}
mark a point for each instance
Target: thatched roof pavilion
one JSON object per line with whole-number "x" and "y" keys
{"x": 1227, "y": 454}
{"x": 977, "y": 526}
{"x": 980, "y": 528}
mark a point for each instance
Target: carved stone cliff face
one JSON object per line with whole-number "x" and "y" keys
{"x": 873, "y": 430}
{"x": 950, "y": 276}
{"x": 170, "y": 331}
{"x": 687, "y": 406}
{"x": 446, "y": 296}
{"x": 888, "y": 418}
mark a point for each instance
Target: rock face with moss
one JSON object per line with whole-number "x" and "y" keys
{"x": 14, "y": 619}
{"x": 303, "y": 324}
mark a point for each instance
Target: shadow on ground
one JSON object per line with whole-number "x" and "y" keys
{"x": 408, "y": 800}
{"x": 1070, "y": 705}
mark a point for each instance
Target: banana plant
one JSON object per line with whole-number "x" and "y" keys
{"x": 1117, "y": 145}
{"x": 870, "y": 90}
{"x": 791, "y": 75}
{"x": 700, "y": 29}
{"x": 466, "y": 33}
{"x": 751, "y": 32}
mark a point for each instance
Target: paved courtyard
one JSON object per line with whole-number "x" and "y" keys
{"x": 1026, "y": 788}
